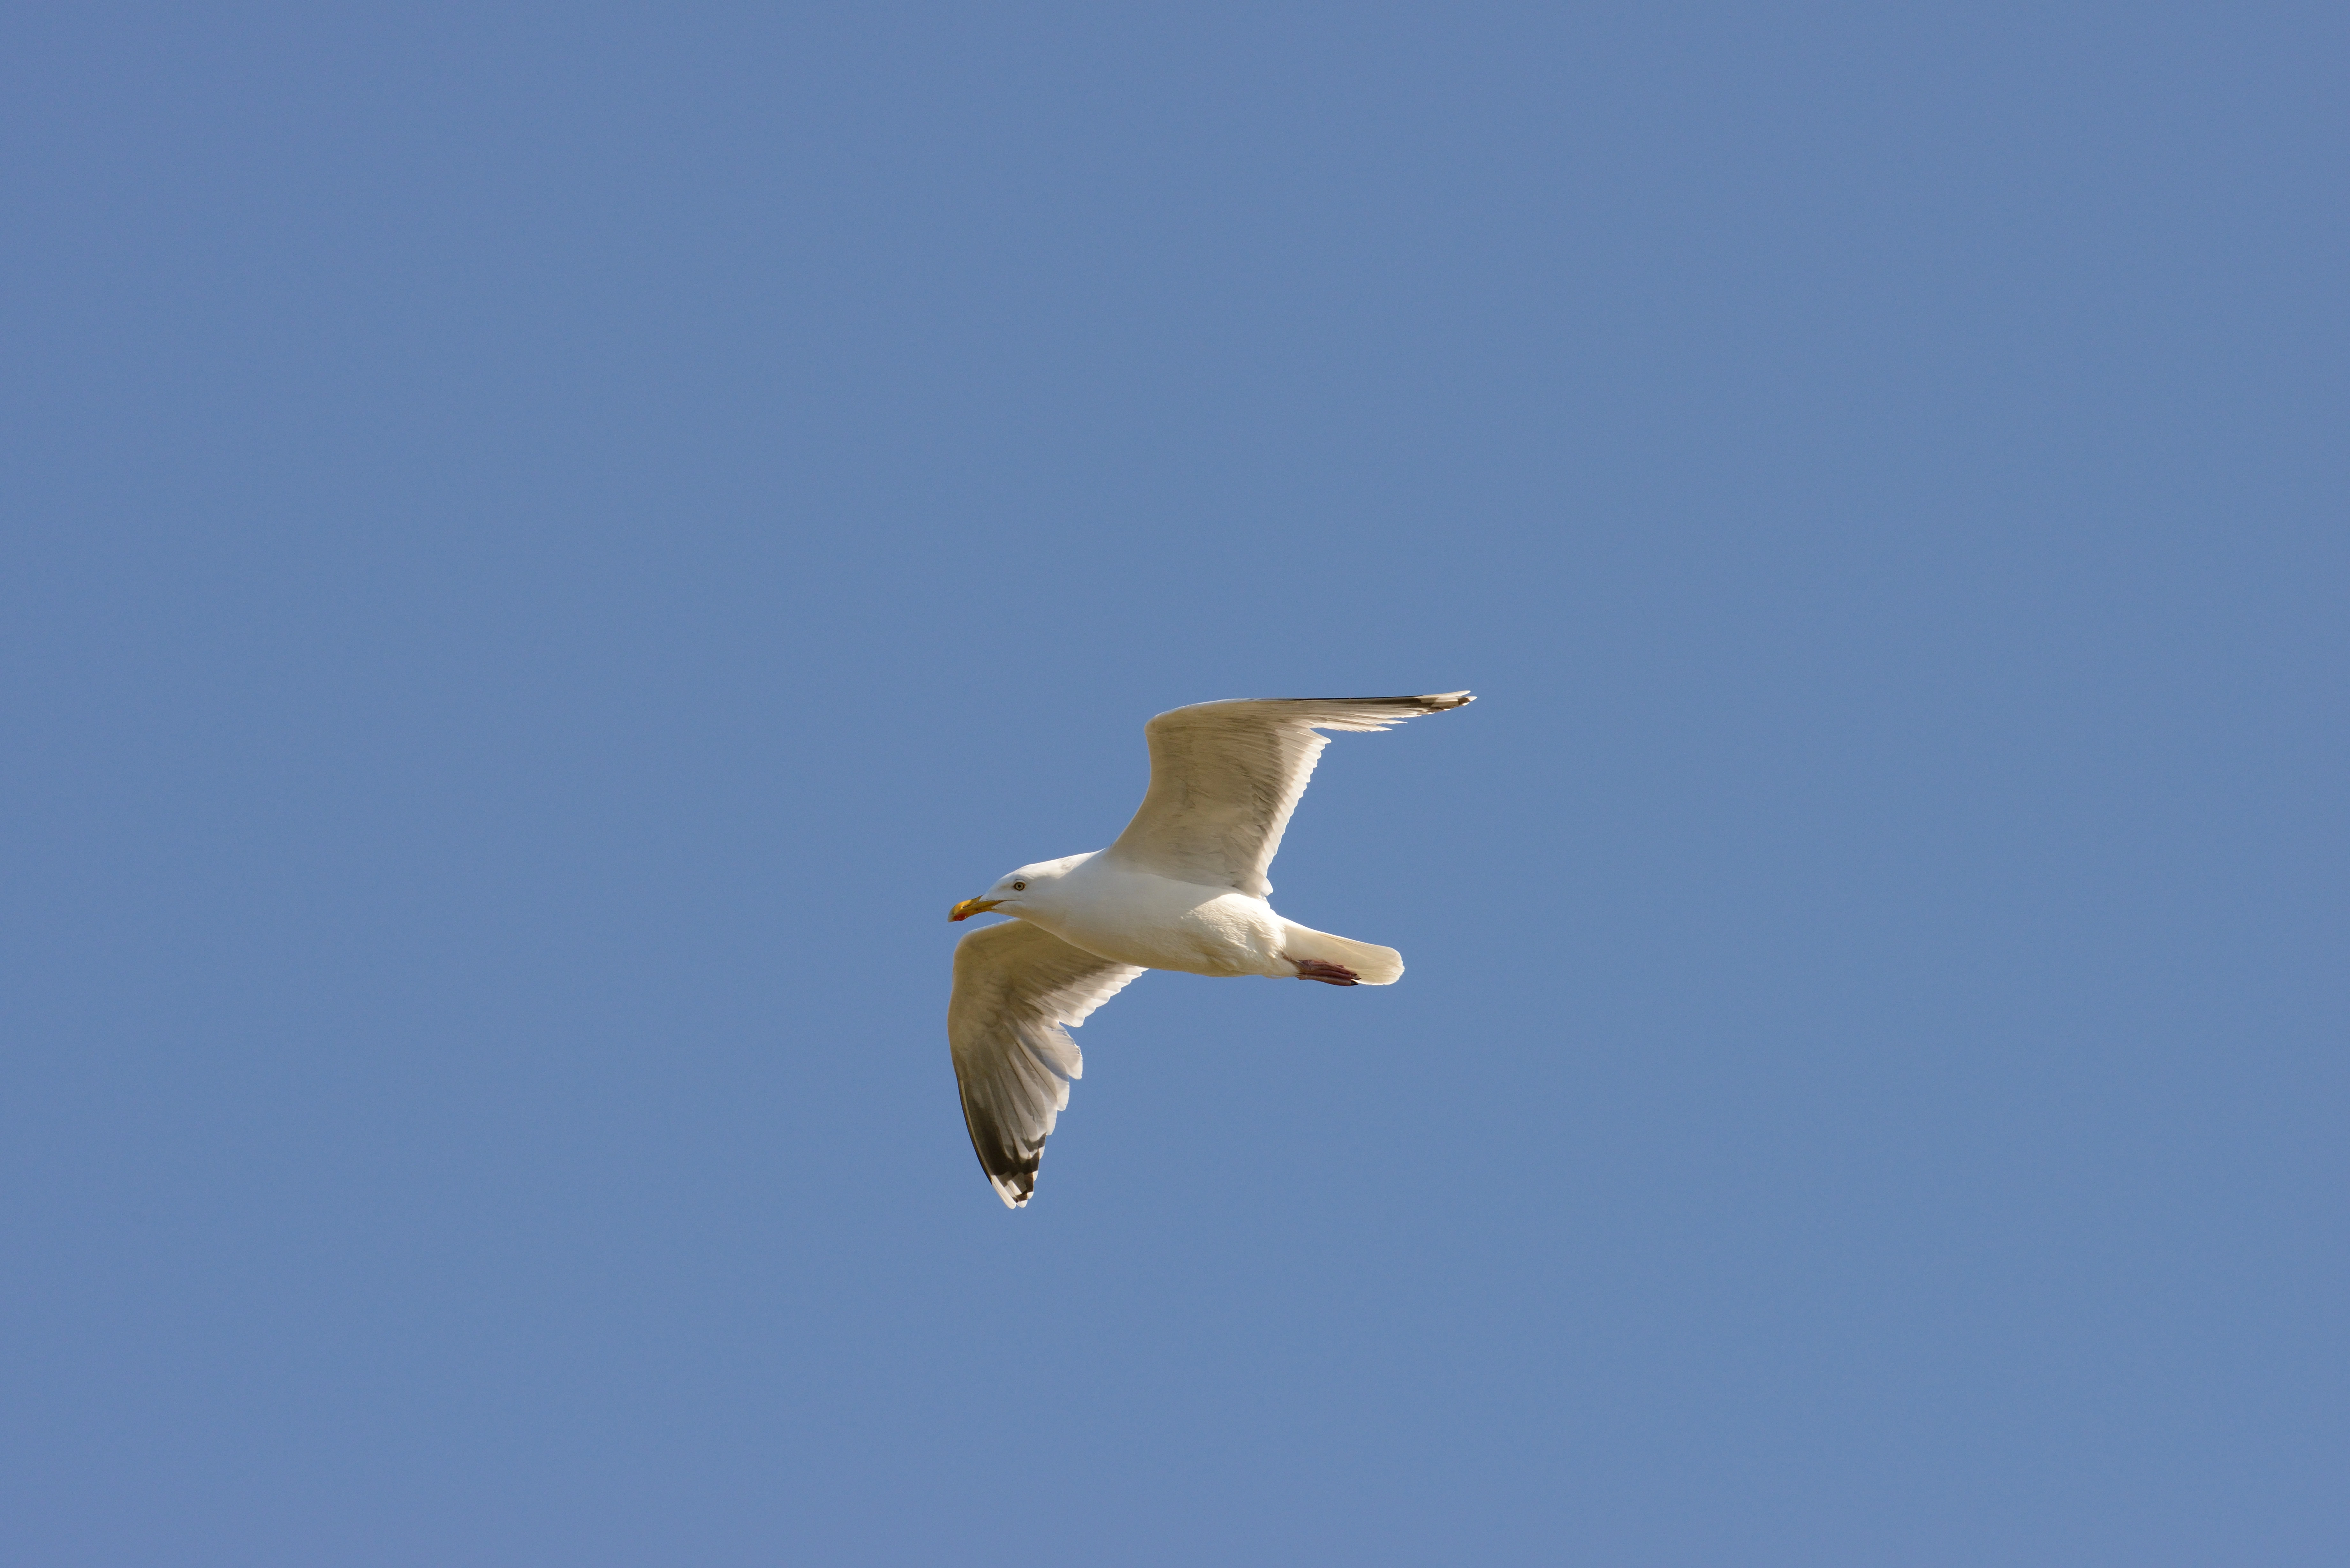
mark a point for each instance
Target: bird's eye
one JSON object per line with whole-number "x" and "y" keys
{"x": 1020, "y": 886}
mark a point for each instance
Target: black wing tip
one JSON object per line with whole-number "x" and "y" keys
{"x": 1395, "y": 707}
{"x": 1015, "y": 1184}
{"x": 1011, "y": 1171}
{"x": 1015, "y": 1181}
{"x": 1435, "y": 702}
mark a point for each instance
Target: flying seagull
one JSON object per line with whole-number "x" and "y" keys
{"x": 1182, "y": 888}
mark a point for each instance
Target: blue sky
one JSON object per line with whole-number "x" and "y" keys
{"x": 548, "y": 545}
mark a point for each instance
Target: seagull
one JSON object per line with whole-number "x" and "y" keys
{"x": 1182, "y": 888}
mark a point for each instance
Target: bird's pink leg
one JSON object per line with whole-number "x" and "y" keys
{"x": 1327, "y": 973}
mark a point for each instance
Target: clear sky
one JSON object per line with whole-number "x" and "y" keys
{"x": 545, "y": 545}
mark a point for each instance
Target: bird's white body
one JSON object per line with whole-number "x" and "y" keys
{"x": 1135, "y": 916}
{"x": 1184, "y": 888}
{"x": 1131, "y": 916}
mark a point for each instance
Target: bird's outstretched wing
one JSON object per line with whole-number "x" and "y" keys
{"x": 1015, "y": 986}
{"x": 1225, "y": 777}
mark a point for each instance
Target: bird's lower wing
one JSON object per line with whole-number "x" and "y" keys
{"x": 1017, "y": 987}
{"x": 1225, "y": 776}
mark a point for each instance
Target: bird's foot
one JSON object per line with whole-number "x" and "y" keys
{"x": 1327, "y": 973}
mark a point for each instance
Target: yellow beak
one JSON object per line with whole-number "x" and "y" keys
{"x": 970, "y": 907}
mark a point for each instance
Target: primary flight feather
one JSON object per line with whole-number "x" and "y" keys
{"x": 1182, "y": 888}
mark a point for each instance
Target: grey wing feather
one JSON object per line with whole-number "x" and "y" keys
{"x": 1017, "y": 987}
{"x": 1225, "y": 776}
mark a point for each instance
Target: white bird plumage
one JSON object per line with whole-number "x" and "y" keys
{"x": 1183, "y": 887}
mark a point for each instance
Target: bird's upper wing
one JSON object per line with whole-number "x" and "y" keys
{"x": 1225, "y": 777}
{"x": 1015, "y": 985}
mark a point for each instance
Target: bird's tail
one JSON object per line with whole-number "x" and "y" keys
{"x": 1372, "y": 964}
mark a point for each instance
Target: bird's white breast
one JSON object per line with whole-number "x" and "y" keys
{"x": 1134, "y": 917}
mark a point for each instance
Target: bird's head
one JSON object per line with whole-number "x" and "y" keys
{"x": 1017, "y": 891}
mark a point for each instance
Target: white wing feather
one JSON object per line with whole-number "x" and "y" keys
{"x": 1016, "y": 987}
{"x": 1225, "y": 776}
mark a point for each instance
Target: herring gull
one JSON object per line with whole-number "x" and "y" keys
{"x": 1182, "y": 888}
